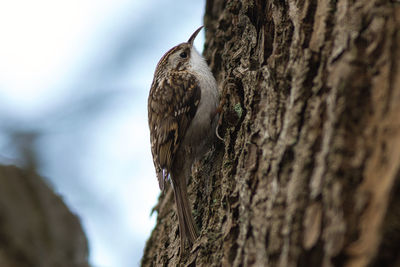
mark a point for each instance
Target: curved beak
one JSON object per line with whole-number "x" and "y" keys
{"x": 191, "y": 39}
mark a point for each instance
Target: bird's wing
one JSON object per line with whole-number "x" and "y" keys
{"x": 172, "y": 105}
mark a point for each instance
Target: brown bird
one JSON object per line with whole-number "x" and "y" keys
{"x": 182, "y": 108}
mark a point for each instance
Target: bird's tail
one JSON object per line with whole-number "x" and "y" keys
{"x": 187, "y": 227}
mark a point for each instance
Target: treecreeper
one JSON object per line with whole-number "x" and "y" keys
{"x": 182, "y": 113}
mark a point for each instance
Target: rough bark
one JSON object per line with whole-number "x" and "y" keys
{"x": 36, "y": 228}
{"x": 308, "y": 173}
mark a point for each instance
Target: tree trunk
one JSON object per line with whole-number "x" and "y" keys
{"x": 308, "y": 172}
{"x": 36, "y": 228}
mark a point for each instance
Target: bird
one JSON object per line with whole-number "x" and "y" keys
{"x": 182, "y": 117}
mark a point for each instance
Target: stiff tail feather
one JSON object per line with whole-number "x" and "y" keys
{"x": 187, "y": 227}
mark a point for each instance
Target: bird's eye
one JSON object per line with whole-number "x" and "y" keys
{"x": 183, "y": 55}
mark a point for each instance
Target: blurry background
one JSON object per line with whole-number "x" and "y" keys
{"x": 74, "y": 81}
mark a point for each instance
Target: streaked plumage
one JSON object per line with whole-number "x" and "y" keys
{"x": 182, "y": 107}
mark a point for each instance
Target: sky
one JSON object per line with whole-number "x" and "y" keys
{"x": 74, "y": 81}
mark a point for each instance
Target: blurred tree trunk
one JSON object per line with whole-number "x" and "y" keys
{"x": 308, "y": 173}
{"x": 36, "y": 228}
